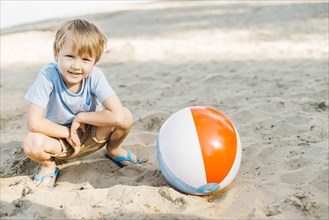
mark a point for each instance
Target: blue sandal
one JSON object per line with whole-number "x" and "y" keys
{"x": 53, "y": 177}
{"x": 118, "y": 160}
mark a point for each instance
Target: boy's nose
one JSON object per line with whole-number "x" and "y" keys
{"x": 76, "y": 64}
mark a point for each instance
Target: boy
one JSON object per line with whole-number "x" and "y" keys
{"x": 65, "y": 119}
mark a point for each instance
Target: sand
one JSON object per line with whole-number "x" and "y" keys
{"x": 264, "y": 65}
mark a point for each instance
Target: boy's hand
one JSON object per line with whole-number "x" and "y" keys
{"x": 74, "y": 139}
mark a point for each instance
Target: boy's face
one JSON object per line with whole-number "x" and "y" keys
{"x": 73, "y": 67}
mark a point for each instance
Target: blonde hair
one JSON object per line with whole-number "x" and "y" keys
{"x": 87, "y": 38}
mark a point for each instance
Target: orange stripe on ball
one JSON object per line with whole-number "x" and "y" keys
{"x": 218, "y": 142}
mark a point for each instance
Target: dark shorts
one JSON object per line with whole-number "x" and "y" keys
{"x": 89, "y": 144}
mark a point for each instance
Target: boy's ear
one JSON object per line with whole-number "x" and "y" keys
{"x": 56, "y": 57}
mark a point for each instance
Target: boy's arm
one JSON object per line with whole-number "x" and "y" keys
{"x": 112, "y": 115}
{"x": 36, "y": 122}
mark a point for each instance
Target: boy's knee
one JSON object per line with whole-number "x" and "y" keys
{"x": 128, "y": 119}
{"x": 32, "y": 144}
{"x": 125, "y": 121}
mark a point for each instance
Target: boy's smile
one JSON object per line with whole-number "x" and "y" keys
{"x": 73, "y": 66}
{"x": 74, "y": 74}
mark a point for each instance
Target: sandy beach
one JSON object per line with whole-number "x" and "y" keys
{"x": 263, "y": 64}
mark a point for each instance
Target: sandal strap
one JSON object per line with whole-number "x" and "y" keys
{"x": 41, "y": 179}
{"x": 119, "y": 159}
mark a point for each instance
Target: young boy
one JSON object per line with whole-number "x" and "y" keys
{"x": 65, "y": 118}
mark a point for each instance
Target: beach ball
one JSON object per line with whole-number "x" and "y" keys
{"x": 198, "y": 150}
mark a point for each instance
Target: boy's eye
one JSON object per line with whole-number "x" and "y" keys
{"x": 86, "y": 59}
{"x": 70, "y": 56}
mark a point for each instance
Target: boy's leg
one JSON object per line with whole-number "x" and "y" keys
{"x": 116, "y": 136}
{"x": 39, "y": 147}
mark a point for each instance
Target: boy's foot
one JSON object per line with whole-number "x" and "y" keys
{"x": 46, "y": 177}
{"x": 117, "y": 157}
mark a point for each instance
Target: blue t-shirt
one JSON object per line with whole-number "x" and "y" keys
{"x": 61, "y": 105}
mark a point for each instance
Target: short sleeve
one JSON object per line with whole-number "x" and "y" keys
{"x": 101, "y": 88}
{"x": 40, "y": 90}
